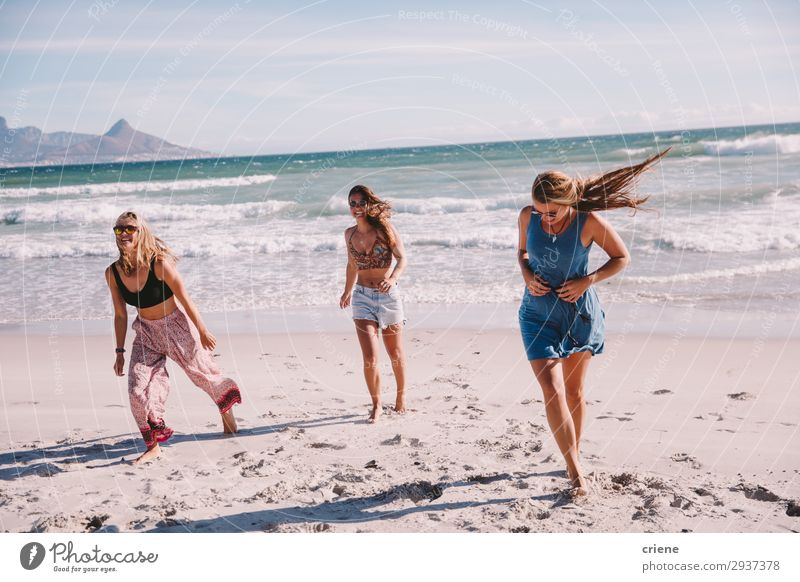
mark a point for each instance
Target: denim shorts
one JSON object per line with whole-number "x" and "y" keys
{"x": 383, "y": 308}
{"x": 553, "y": 328}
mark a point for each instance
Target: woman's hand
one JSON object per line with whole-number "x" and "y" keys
{"x": 207, "y": 339}
{"x": 572, "y": 290}
{"x": 119, "y": 365}
{"x": 344, "y": 300}
{"x": 536, "y": 285}
{"x": 386, "y": 284}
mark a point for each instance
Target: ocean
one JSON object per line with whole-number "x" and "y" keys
{"x": 260, "y": 233}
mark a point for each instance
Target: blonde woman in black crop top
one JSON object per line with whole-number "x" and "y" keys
{"x": 162, "y": 331}
{"x": 371, "y": 289}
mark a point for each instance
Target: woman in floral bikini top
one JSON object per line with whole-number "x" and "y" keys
{"x": 380, "y": 257}
{"x": 371, "y": 288}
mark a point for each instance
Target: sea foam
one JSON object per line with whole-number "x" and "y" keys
{"x": 106, "y": 188}
{"x": 754, "y": 145}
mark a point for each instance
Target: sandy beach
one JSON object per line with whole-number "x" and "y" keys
{"x": 683, "y": 433}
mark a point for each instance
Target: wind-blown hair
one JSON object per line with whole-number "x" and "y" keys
{"x": 377, "y": 211}
{"x": 607, "y": 191}
{"x": 147, "y": 246}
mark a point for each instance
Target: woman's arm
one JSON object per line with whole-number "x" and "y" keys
{"x": 399, "y": 252}
{"x": 602, "y": 233}
{"x": 351, "y": 275}
{"x": 168, "y": 273}
{"x": 120, "y": 321}
{"x": 536, "y": 285}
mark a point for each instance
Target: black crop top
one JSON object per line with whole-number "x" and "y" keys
{"x": 153, "y": 292}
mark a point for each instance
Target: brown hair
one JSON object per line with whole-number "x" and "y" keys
{"x": 613, "y": 189}
{"x": 378, "y": 211}
{"x": 147, "y": 247}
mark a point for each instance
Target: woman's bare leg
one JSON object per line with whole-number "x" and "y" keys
{"x": 549, "y": 374}
{"x": 575, "y": 368}
{"x": 229, "y": 423}
{"x": 367, "y": 331}
{"x": 393, "y": 341}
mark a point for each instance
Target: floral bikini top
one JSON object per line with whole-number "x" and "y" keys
{"x": 380, "y": 257}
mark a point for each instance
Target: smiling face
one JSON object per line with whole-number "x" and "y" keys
{"x": 550, "y": 212}
{"x": 358, "y": 205}
{"x": 126, "y": 231}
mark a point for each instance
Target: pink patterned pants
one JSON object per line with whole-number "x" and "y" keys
{"x": 175, "y": 337}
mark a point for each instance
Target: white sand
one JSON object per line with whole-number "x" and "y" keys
{"x": 681, "y": 433}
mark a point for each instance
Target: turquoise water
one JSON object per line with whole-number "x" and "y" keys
{"x": 266, "y": 231}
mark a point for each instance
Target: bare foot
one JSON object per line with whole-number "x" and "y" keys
{"x": 400, "y": 405}
{"x": 149, "y": 455}
{"x": 580, "y": 487}
{"x": 375, "y": 414}
{"x": 229, "y": 423}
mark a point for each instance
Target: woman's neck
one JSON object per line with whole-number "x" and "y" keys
{"x": 363, "y": 226}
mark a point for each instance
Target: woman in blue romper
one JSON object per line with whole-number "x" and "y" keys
{"x": 560, "y": 318}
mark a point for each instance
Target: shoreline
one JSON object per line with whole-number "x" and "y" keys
{"x": 641, "y": 319}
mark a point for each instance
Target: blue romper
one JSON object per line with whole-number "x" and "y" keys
{"x": 550, "y": 326}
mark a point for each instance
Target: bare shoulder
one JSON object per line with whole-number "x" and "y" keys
{"x": 348, "y": 231}
{"x": 596, "y": 222}
{"x": 525, "y": 214}
{"x": 111, "y": 281}
{"x": 163, "y": 265}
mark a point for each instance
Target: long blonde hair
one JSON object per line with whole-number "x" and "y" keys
{"x": 148, "y": 246}
{"x": 377, "y": 212}
{"x": 613, "y": 189}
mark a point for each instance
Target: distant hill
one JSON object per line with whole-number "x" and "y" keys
{"x": 25, "y": 146}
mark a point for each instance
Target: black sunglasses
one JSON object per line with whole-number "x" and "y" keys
{"x": 359, "y": 203}
{"x": 551, "y": 214}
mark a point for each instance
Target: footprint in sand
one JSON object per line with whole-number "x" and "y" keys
{"x": 741, "y": 396}
{"x": 400, "y": 440}
{"x": 255, "y": 470}
{"x": 756, "y": 492}
{"x": 623, "y": 479}
{"x": 662, "y": 391}
{"x": 679, "y": 502}
{"x": 619, "y": 418}
{"x": 686, "y": 458}
{"x": 486, "y": 479}
{"x": 96, "y": 522}
{"x": 327, "y": 446}
{"x": 417, "y": 492}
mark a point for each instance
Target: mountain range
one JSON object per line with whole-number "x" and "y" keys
{"x": 27, "y": 146}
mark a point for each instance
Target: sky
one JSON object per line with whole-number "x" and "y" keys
{"x": 281, "y": 77}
